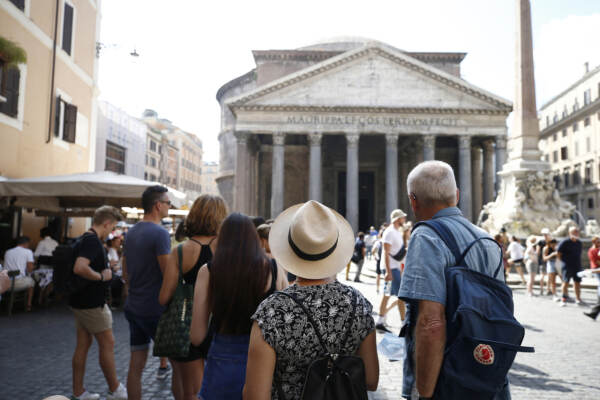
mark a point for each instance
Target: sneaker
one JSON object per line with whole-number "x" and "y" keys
{"x": 119, "y": 394}
{"x": 86, "y": 396}
{"x": 382, "y": 327}
{"x": 556, "y": 298}
{"x": 162, "y": 372}
{"x": 562, "y": 303}
{"x": 591, "y": 315}
{"x": 579, "y": 302}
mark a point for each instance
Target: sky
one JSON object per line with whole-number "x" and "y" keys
{"x": 188, "y": 49}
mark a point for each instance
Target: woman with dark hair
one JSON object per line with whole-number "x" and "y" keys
{"x": 201, "y": 227}
{"x": 230, "y": 288}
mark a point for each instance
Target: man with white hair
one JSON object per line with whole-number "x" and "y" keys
{"x": 433, "y": 195}
{"x": 569, "y": 252}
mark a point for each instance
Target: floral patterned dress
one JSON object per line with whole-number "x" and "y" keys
{"x": 287, "y": 330}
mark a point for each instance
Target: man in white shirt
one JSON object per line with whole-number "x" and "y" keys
{"x": 515, "y": 256}
{"x": 393, "y": 247}
{"x": 20, "y": 258}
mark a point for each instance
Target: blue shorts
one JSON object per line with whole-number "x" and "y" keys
{"x": 392, "y": 287}
{"x": 141, "y": 330}
{"x": 568, "y": 273}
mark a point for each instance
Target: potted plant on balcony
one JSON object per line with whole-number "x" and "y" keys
{"x": 11, "y": 55}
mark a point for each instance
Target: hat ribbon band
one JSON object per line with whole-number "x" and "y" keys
{"x": 311, "y": 257}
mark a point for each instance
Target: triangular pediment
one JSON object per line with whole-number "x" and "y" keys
{"x": 374, "y": 76}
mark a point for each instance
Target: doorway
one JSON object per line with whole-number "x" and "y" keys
{"x": 366, "y": 198}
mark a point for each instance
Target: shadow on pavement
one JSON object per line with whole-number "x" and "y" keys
{"x": 530, "y": 377}
{"x": 532, "y": 328}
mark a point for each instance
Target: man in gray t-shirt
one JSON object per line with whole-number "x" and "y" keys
{"x": 146, "y": 251}
{"x": 433, "y": 195}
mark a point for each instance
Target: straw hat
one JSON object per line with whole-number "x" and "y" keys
{"x": 311, "y": 240}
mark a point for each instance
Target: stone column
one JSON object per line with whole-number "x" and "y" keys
{"x": 277, "y": 181}
{"x": 403, "y": 195}
{"x": 240, "y": 180}
{"x": 477, "y": 189}
{"x": 428, "y": 147}
{"x": 314, "y": 168}
{"x": 488, "y": 171}
{"x": 500, "y": 158}
{"x": 464, "y": 175}
{"x": 352, "y": 180}
{"x": 391, "y": 172}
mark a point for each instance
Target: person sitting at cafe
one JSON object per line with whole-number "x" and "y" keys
{"x": 20, "y": 258}
{"x": 43, "y": 274}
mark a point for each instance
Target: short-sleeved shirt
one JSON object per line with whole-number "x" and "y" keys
{"x": 16, "y": 259}
{"x": 358, "y": 248}
{"x": 594, "y": 257}
{"x": 515, "y": 250}
{"x": 395, "y": 239}
{"x": 570, "y": 252}
{"x": 286, "y": 329}
{"x": 94, "y": 293}
{"x": 46, "y": 247}
{"x": 144, "y": 243}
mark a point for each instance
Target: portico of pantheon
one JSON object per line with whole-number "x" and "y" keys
{"x": 343, "y": 122}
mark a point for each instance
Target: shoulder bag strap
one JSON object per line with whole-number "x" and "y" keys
{"x": 180, "y": 261}
{"x": 310, "y": 319}
{"x": 444, "y": 233}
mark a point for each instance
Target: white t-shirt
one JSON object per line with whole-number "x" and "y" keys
{"x": 45, "y": 247}
{"x": 395, "y": 238}
{"x": 16, "y": 259}
{"x": 113, "y": 255}
{"x": 515, "y": 250}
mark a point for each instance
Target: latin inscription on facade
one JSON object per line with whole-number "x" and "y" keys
{"x": 371, "y": 121}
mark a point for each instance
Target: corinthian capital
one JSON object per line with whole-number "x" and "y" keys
{"x": 241, "y": 137}
{"x": 315, "y": 138}
{"x": 429, "y": 141}
{"x": 501, "y": 141}
{"x": 278, "y": 139}
{"x": 352, "y": 139}
{"x": 391, "y": 139}
{"x": 464, "y": 142}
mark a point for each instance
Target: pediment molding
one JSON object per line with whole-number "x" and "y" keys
{"x": 371, "y": 110}
{"x": 390, "y": 54}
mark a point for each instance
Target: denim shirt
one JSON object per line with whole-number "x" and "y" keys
{"x": 426, "y": 260}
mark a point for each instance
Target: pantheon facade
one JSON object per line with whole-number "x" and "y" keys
{"x": 343, "y": 122}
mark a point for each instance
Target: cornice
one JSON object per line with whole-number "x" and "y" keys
{"x": 571, "y": 118}
{"x": 293, "y": 55}
{"x": 344, "y": 58}
{"x": 426, "y": 56}
{"x": 371, "y": 110}
{"x": 247, "y": 77}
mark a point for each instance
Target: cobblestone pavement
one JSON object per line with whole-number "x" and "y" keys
{"x": 36, "y": 350}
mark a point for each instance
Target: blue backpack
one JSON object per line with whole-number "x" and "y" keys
{"x": 482, "y": 334}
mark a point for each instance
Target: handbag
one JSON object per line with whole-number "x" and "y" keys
{"x": 173, "y": 332}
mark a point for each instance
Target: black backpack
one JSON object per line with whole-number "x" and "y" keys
{"x": 334, "y": 376}
{"x": 64, "y": 256}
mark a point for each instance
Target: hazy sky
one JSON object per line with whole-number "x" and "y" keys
{"x": 190, "y": 48}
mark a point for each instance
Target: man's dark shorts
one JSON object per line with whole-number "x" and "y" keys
{"x": 141, "y": 330}
{"x": 568, "y": 273}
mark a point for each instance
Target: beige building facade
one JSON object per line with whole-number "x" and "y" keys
{"x": 343, "y": 122}
{"x": 48, "y": 112}
{"x": 210, "y": 172}
{"x": 570, "y": 141}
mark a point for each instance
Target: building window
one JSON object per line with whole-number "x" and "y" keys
{"x": 115, "y": 158}
{"x": 566, "y": 177}
{"x": 556, "y": 179}
{"x": 586, "y": 121}
{"x": 547, "y": 120}
{"x": 20, "y": 4}
{"x": 555, "y": 156}
{"x": 152, "y": 162}
{"x": 555, "y": 119}
{"x": 10, "y": 79}
{"x": 65, "y": 122}
{"x": 554, "y": 137}
{"x": 590, "y": 203}
{"x": 564, "y": 155}
{"x": 576, "y": 174}
{"x": 145, "y": 176}
{"x": 152, "y": 145}
{"x": 67, "y": 28}
{"x": 575, "y": 106}
{"x": 587, "y": 179}
{"x": 547, "y": 158}
{"x": 587, "y": 97}
{"x": 588, "y": 144}
{"x": 565, "y": 113}
{"x": 576, "y": 149}
{"x": 575, "y": 127}
{"x": 564, "y": 132}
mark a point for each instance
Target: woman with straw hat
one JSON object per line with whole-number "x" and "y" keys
{"x": 314, "y": 243}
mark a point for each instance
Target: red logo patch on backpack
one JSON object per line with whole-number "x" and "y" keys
{"x": 484, "y": 354}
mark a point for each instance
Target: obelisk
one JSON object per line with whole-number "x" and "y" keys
{"x": 527, "y": 200}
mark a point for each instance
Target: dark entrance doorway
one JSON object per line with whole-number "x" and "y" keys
{"x": 366, "y": 198}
